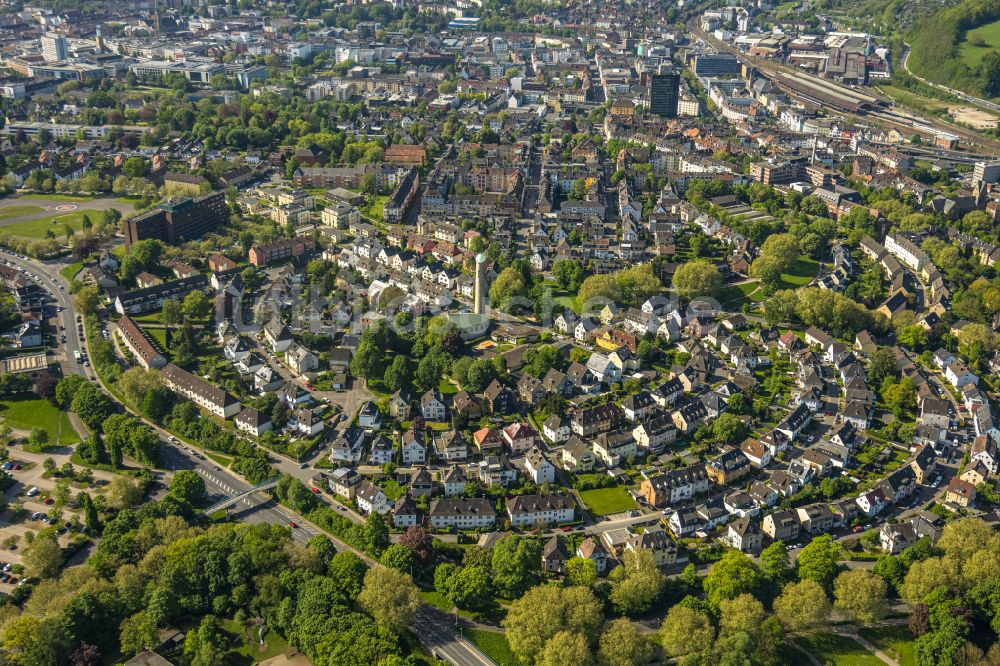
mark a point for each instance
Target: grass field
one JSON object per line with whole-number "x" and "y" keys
{"x": 838, "y": 650}
{"x": 973, "y": 55}
{"x": 605, "y": 501}
{"x": 19, "y": 211}
{"x": 494, "y": 644}
{"x": 447, "y": 388}
{"x": 35, "y": 413}
{"x": 896, "y": 641}
{"x": 38, "y": 228}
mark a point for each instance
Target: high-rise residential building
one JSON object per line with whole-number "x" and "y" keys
{"x": 178, "y": 219}
{"x": 54, "y": 47}
{"x": 664, "y": 92}
{"x": 986, "y": 172}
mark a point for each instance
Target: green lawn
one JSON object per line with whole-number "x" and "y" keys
{"x": 69, "y": 272}
{"x": 736, "y": 295}
{"x": 447, "y": 388}
{"x": 838, "y": 650}
{"x": 38, "y": 228}
{"x": 494, "y": 645}
{"x": 896, "y": 641}
{"x": 973, "y": 55}
{"x": 19, "y": 211}
{"x": 800, "y": 274}
{"x": 605, "y": 501}
{"x": 436, "y": 599}
{"x": 159, "y": 336}
{"x": 25, "y": 414}
{"x": 376, "y": 209}
{"x": 273, "y": 643}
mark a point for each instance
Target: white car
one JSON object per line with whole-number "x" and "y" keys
{"x": 32, "y": 491}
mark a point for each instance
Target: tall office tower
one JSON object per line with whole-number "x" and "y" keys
{"x": 664, "y": 92}
{"x": 54, "y": 47}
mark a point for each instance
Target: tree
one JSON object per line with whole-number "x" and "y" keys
{"x": 187, "y": 486}
{"x": 862, "y": 594}
{"x": 728, "y": 428}
{"x": 479, "y": 375}
{"x": 173, "y": 312}
{"x": 87, "y": 300}
{"x": 637, "y": 583}
{"x": 569, "y": 274}
{"x": 91, "y": 518}
{"x": 92, "y": 406}
{"x": 515, "y": 564}
{"x": 466, "y": 587}
{"x": 581, "y": 572}
{"x": 767, "y": 269}
{"x": 783, "y": 248}
{"x": 621, "y": 644}
{"x": 397, "y": 557}
{"x": 390, "y": 597}
{"x": 802, "y": 606}
{"x": 419, "y": 540}
{"x": 733, "y": 575}
{"x": 686, "y": 632}
{"x": 697, "y": 278}
{"x": 544, "y": 611}
{"x": 508, "y": 286}
{"x": 367, "y": 362}
{"x": 43, "y": 557}
{"x": 124, "y": 493}
{"x": 138, "y": 633}
{"x": 741, "y": 614}
{"x": 925, "y": 576}
{"x": 66, "y": 389}
{"x": 197, "y": 306}
{"x": 775, "y": 565}
{"x": 38, "y": 439}
{"x": 566, "y": 647}
{"x": 881, "y": 365}
{"x": 818, "y": 561}
{"x": 398, "y": 375}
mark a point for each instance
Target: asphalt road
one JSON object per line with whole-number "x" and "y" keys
{"x": 48, "y": 277}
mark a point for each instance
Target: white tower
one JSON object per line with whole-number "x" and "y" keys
{"x": 480, "y": 295}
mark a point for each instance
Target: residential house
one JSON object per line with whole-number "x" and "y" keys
{"x": 542, "y": 509}
{"x": 464, "y": 513}
{"x": 744, "y": 535}
{"x": 554, "y": 556}
{"x": 370, "y": 499}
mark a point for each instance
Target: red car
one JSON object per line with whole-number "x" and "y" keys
{"x": 16, "y": 466}
{"x": 310, "y": 387}
{"x": 49, "y": 500}
{"x": 291, "y": 523}
{"x": 316, "y": 490}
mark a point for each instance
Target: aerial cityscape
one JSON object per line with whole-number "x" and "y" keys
{"x": 500, "y": 333}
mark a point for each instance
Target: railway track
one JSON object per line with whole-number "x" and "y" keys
{"x": 912, "y": 123}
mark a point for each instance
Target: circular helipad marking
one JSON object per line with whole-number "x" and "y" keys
{"x": 66, "y": 208}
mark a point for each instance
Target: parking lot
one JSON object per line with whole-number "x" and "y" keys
{"x": 33, "y": 505}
